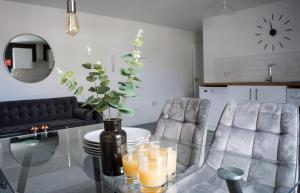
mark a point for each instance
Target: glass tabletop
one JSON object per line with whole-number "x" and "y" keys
{"x": 55, "y": 162}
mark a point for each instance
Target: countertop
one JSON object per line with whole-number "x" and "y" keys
{"x": 225, "y": 84}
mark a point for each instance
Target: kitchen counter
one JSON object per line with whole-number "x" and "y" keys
{"x": 225, "y": 84}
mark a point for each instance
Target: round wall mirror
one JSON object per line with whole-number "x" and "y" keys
{"x": 28, "y": 58}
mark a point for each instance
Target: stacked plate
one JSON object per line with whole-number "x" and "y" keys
{"x": 91, "y": 140}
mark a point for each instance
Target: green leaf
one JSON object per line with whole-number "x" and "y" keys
{"x": 138, "y": 42}
{"x": 105, "y": 83}
{"x": 97, "y": 100}
{"x": 69, "y": 74}
{"x": 103, "y": 77}
{"x": 134, "y": 63}
{"x": 126, "y": 110}
{"x": 137, "y": 79}
{"x": 78, "y": 91}
{"x": 99, "y": 68}
{"x": 125, "y": 72}
{"x": 127, "y": 56}
{"x": 94, "y": 73}
{"x": 88, "y": 101}
{"x": 102, "y": 106}
{"x": 63, "y": 80}
{"x": 92, "y": 89}
{"x": 102, "y": 89}
{"x": 113, "y": 101}
{"x": 87, "y": 65}
{"x": 71, "y": 85}
{"x": 91, "y": 78}
{"x": 128, "y": 85}
{"x": 114, "y": 93}
{"x": 127, "y": 93}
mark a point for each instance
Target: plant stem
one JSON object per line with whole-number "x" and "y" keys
{"x": 109, "y": 113}
{"x": 94, "y": 109}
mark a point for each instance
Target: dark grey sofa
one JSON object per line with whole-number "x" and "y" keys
{"x": 17, "y": 117}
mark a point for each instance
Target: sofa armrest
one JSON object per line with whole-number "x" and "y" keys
{"x": 95, "y": 115}
{"x": 83, "y": 114}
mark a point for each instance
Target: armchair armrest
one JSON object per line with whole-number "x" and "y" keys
{"x": 83, "y": 114}
{"x": 294, "y": 187}
{"x": 232, "y": 176}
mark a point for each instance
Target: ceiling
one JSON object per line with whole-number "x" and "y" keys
{"x": 182, "y": 14}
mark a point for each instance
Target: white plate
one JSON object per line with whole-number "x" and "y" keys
{"x": 92, "y": 148}
{"x": 93, "y": 136}
{"x": 93, "y": 151}
{"x": 94, "y": 154}
{"x": 134, "y": 135}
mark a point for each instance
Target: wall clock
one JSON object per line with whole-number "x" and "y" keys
{"x": 273, "y": 32}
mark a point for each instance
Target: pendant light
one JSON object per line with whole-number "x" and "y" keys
{"x": 225, "y": 9}
{"x": 72, "y": 27}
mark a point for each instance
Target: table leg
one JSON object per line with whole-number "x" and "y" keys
{"x": 24, "y": 171}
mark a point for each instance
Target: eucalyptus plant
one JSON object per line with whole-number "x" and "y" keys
{"x": 102, "y": 97}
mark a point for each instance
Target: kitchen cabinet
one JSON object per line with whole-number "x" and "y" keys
{"x": 293, "y": 96}
{"x": 218, "y": 99}
{"x": 220, "y": 96}
{"x": 275, "y": 94}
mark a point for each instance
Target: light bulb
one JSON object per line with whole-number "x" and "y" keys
{"x": 72, "y": 27}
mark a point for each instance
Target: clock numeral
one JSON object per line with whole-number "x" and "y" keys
{"x": 260, "y": 27}
{"x": 287, "y": 38}
{"x": 265, "y": 20}
{"x": 280, "y": 17}
{"x": 266, "y": 46}
{"x": 257, "y": 34}
{"x": 272, "y": 16}
{"x": 281, "y": 45}
{"x": 289, "y": 30}
{"x": 260, "y": 41}
{"x": 273, "y": 48}
{"x": 288, "y": 21}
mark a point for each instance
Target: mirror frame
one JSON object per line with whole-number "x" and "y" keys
{"x": 33, "y": 56}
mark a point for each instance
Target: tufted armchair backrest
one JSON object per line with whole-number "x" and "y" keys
{"x": 184, "y": 120}
{"x": 36, "y": 110}
{"x": 261, "y": 139}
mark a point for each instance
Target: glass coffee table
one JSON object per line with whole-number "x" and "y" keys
{"x": 54, "y": 162}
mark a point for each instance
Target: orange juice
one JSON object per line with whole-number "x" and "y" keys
{"x": 153, "y": 176}
{"x": 130, "y": 165}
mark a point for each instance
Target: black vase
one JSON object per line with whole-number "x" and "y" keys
{"x": 113, "y": 146}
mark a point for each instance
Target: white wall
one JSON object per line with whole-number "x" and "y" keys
{"x": 168, "y": 65}
{"x": 233, "y": 36}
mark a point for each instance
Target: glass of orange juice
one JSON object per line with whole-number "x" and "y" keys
{"x": 152, "y": 170}
{"x": 171, "y": 148}
{"x": 130, "y": 165}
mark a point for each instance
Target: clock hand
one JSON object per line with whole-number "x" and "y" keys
{"x": 271, "y": 25}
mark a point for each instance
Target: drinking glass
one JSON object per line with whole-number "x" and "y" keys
{"x": 152, "y": 170}
{"x": 171, "y": 148}
{"x": 130, "y": 164}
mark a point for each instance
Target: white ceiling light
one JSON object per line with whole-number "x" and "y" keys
{"x": 225, "y": 9}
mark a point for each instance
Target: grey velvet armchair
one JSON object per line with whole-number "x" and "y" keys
{"x": 183, "y": 120}
{"x": 259, "y": 138}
